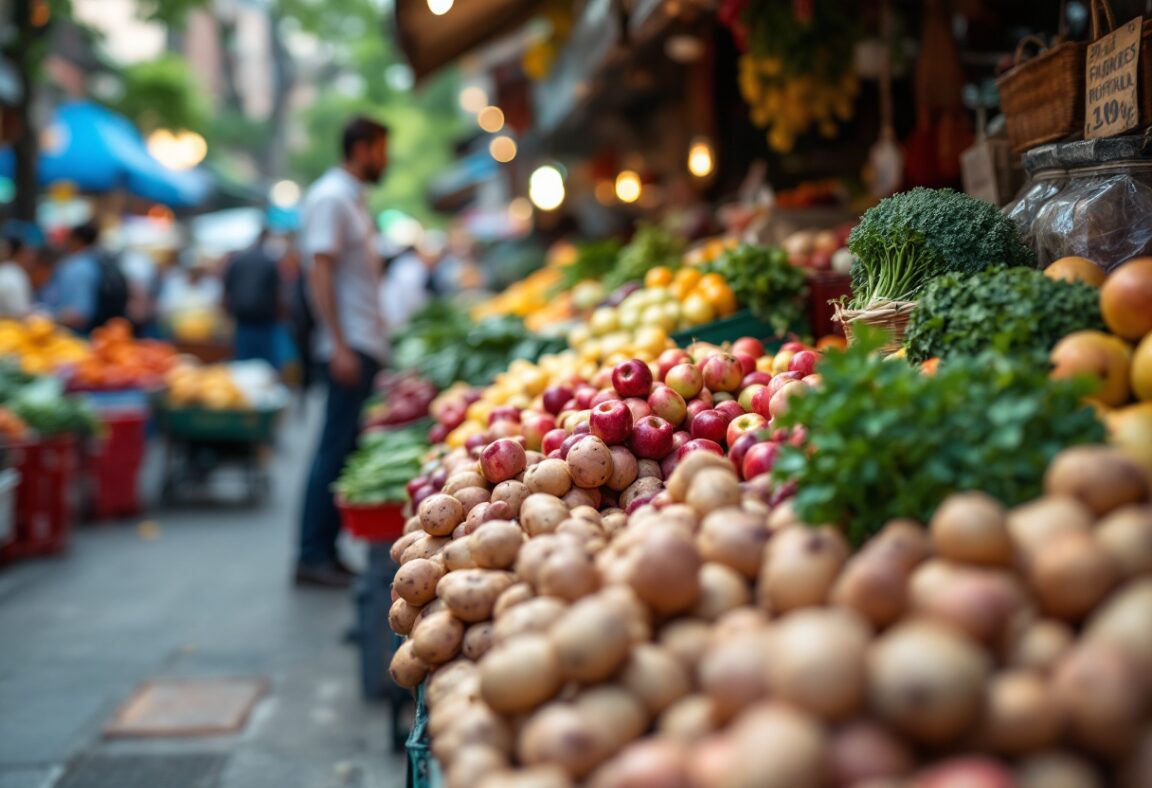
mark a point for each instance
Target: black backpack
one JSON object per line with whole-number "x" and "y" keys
{"x": 111, "y": 292}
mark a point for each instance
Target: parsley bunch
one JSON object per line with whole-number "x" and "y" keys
{"x": 886, "y": 441}
{"x": 763, "y": 280}
{"x": 1011, "y": 310}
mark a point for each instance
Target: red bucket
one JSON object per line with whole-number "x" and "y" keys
{"x": 45, "y": 509}
{"x": 377, "y": 522}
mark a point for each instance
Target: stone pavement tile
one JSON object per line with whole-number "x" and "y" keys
{"x": 252, "y": 768}
{"x": 143, "y": 771}
{"x": 29, "y": 776}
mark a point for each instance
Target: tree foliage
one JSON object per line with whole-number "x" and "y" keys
{"x": 163, "y": 93}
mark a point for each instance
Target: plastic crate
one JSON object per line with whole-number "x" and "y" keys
{"x": 741, "y": 324}
{"x": 381, "y": 522}
{"x": 423, "y": 770}
{"x": 823, "y": 288}
{"x": 45, "y": 505}
{"x": 202, "y": 424}
{"x": 116, "y": 464}
{"x": 9, "y": 481}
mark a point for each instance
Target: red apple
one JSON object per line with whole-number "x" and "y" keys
{"x": 753, "y": 347}
{"x": 756, "y": 377}
{"x": 582, "y": 426}
{"x": 569, "y": 407}
{"x": 668, "y": 405}
{"x": 700, "y": 444}
{"x": 730, "y": 409}
{"x": 778, "y": 381}
{"x": 438, "y": 433}
{"x": 761, "y": 401}
{"x": 568, "y": 443}
{"x": 679, "y": 438}
{"x": 695, "y": 407}
{"x": 759, "y": 459}
{"x": 604, "y": 395}
{"x": 534, "y": 426}
{"x": 505, "y": 428}
{"x": 602, "y": 379}
{"x": 501, "y": 460}
{"x": 552, "y": 440}
{"x": 722, "y": 372}
{"x": 611, "y": 422}
{"x": 782, "y": 360}
{"x": 669, "y": 463}
{"x": 710, "y": 425}
{"x": 424, "y": 492}
{"x": 453, "y": 415}
{"x": 504, "y": 413}
{"x": 639, "y": 408}
{"x": 671, "y": 357}
{"x": 746, "y": 395}
{"x": 779, "y": 402}
{"x": 554, "y": 398}
{"x": 632, "y": 378}
{"x": 814, "y": 380}
{"x": 747, "y": 422}
{"x": 685, "y": 380}
{"x": 652, "y": 438}
{"x": 747, "y": 362}
{"x": 477, "y": 441}
{"x": 739, "y": 448}
{"x": 804, "y": 362}
{"x": 794, "y": 347}
{"x": 584, "y": 395}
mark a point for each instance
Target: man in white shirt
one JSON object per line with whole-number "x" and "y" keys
{"x": 19, "y": 252}
{"x": 338, "y": 253}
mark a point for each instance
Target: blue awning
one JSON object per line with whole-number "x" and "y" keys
{"x": 100, "y": 151}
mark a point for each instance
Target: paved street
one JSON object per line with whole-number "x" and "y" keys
{"x": 196, "y": 592}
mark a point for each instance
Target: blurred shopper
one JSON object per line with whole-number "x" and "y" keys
{"x": 144, "y": 282}
{"x": 338, "y": 248}
{"x": 252, "y": 297}
{"x": 411, "y": 283}
{"x": 20, "y": 249}
{"x": 87, "y": 288}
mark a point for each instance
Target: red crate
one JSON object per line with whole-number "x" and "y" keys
{"x": 116, "y": 464}
{"x": 823, "y": 288}
{"x": 45, "y": 499}
{"x": 383, "y": 522}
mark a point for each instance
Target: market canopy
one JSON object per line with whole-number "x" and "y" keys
{"x": 100, "y": 151}
{"x": 431, "y": 42}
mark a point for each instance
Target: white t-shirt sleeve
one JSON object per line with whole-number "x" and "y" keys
{"x": 324, "y": 227}
{"x": 15, "y": 291}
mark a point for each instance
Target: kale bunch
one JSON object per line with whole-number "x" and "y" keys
{"x": 1011, "y": 310}
{"x": 763, "y": 280}
{"x": 910, "y": 238}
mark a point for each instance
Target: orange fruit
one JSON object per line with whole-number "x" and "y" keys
{"x": 1076, "y": 269}
{"x": 684, "y": 282}
{"x": 1098, "y": 355}
{"x": 660, "y": 276}
{"x": 831, "y": 340}
{"x": 722, "y": 297}
{"x": 711, "y": 280}
{"x": 1126, "y": 299}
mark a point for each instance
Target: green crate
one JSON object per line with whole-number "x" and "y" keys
{"x": 240, "y": 426}
{"x": 741, "y": 324}
{"x": 423, "y": 768}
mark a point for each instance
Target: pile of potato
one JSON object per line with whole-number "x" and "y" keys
{"x": 708, "y": 640}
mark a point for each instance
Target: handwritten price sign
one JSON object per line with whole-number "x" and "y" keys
{"x": 1110, "y": 105}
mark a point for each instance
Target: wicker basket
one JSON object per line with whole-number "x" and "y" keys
{"x": 1043, "y": 97}
{"x": 892, "y": 316}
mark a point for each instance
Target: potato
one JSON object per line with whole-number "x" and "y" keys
{"x": 471, "y": 593}
{"x": 438, "y": 638}
{"x": 712, "y": 489}
{"x": 476, "y": 724}
{"x": 462, "y": 480}
{"x": 1034, "y": 525}
{"x": 776, "y": 746}
{"x": 415, "y": 582}
{"x": 656, "y": 677}
{"x": 401, "y": 616}
{"x": 559, "y": 734}
{"x": 732, "y": 673}
{"x": 495, "y": 544}
{"x": 535, "y": 777}
{"x": 512, "y": 493}
{"x": 874, "y": 587}
{"x": 471, "y": 497}
{"x": 590, "y": 462}
{"x": 1041, "y": 646}
{"x": 818, "y": 662}
{"x": 687, "y": 640}
{"x": 686, "y": 471}
{"x": 927, "y": 681}
{"x": 458, "y": 554}
{"x": 614, "y": 522}
{"x": 624, "y": 599}
{"x": 800, "y": 567}
{"x": 1126, "y": 535}
{"x": 688, "y": 719}
{"x": 472, "y": 763}
{"x": 541, "y": 513}
{"x": 864, "y": 752}
{"x": 618, "y": 716}
{"x": 1101, "y": 477}
{"x": 403, "y": 543}
{"x": 664, "y": 572}
{"x": 1072, "y": 575}
{"x": 440, "y": 514}
{"x": 735, "y": 538}
{"x": 587, "y": 513}
{"x": 902, "y": 543}
{"x": 578, "y": 497}
{"x": 970, "y": 528}
{"x": 722, "y": 588}
{"x": 591, "y": 640}
{"x": 424, "y": 546}
{"x": 625, "y": 469}
{"x": 512, "y": 596}
{"x": 550, "y": 476}
{"x": 1104, "y": 696}
{"x": 458, "y": 678}
{"x": 568, "y": 574}
{"x": 533, "y": 615}
{"x": 1136, "y": 769}
{"x": 478, "y": 639}
{"x": 406, "y": 668}
{"x": 981, "y": 603}
{"x": 1020, "y": 714}
{"x": 1057, "y": 769}
{"x": 584, "y": 530}
{"x": 649, "y": 762}
{"x": 649, "y": 469}
{"x": 412, "y": 524}
{"x": 519, "y": 675}
{"x": 683, "y": 517}
{"x": 435, "y": 606}
{"x": 781, "y": 517}
{"x": 640, "y": 490}
{"x": 1123, "y": 621}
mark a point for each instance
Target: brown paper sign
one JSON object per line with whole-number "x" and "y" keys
{"x": 1110, "y": 105}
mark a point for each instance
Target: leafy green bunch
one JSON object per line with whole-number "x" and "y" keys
{"x": 379, "y": 471}
{"x": 910, "y": 238}
{"x": 40, "y": 402}
{"x": 885, "y": 440}
{"x": 651, "y": 246}
{"x": 594, "y": 260}
{"x": 1011, "y": 310}
{"x": 766, "y": 283}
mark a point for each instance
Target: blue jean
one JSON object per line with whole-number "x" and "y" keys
{"x": 257, "y": 341}
{"x": 320, "y": 519}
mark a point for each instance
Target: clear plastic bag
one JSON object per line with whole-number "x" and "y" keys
{"x": 1040, "y": 188}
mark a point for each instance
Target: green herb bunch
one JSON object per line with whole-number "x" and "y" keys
{"x": 594, "y": 260}
{"x": 766, "y": 283}
{"x": 910, "y": 238}
{"x": 650, "y": 246}
{"x": 885, "y": 440}
{"x": 379, "y": 471}
{"x": 1011, "y": 310}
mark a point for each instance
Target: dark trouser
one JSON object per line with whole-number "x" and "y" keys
{"x": 320, "y": 520}
{"x": 257, "y": 341}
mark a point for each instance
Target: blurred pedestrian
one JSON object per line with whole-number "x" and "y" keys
{"x": 410, "y": 283}
{"x": 252, "y": 297}
{"x": 337, "y": 241}
{"x": 87, "y": 288}
{"x": 20, "y": 250}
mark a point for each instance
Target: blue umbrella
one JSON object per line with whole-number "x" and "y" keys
{"x": 100, "y": 151}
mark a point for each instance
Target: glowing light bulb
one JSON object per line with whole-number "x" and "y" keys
{"x": 546, "y": 188}
{"x": 628, "y": 186}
